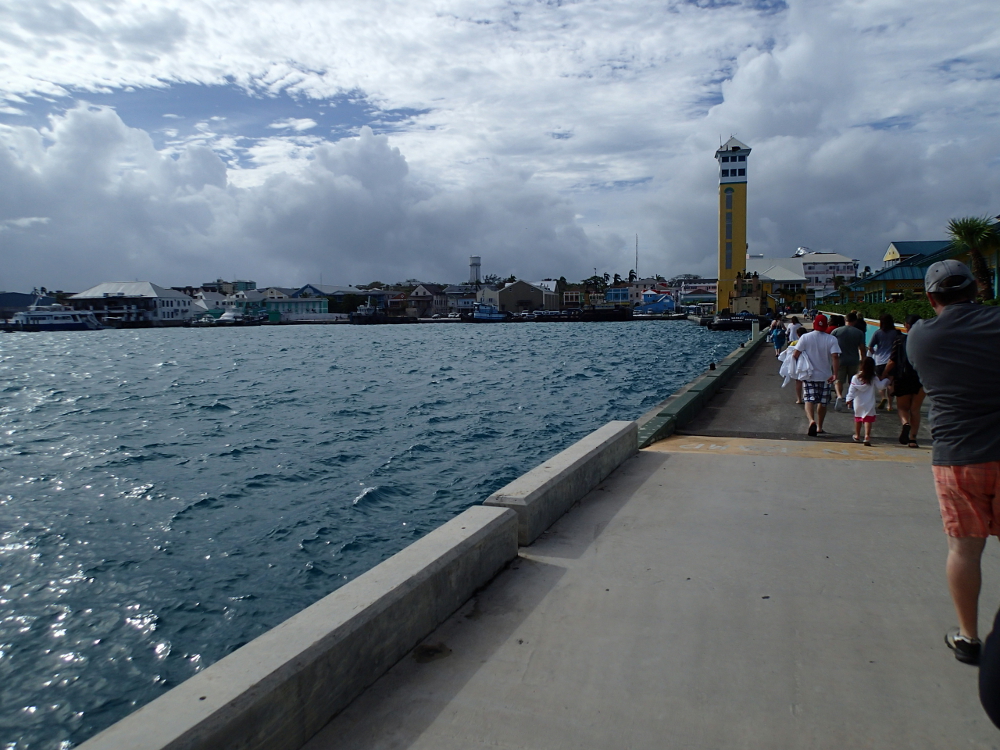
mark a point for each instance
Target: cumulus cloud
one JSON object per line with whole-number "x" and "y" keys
{"x": 543, "y": 136}
{"x": 116, "y": 208}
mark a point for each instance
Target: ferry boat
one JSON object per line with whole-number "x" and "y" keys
{"x": 53, "y": 318}
{"x": 484, "y": 313}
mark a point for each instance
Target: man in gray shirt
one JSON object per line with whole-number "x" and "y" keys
{"x": 957, "y": 356}
{"x": 852, "y": 349}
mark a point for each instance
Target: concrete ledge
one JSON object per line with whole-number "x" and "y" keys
{"x": 684, "y": 405}
{"x": 546, "y": 492}
{"x": 283, "y": 687}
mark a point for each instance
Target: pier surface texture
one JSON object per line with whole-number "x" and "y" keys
{"x": 736, "y": 585}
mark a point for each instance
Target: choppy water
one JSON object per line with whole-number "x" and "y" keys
{"x": 168, "y": 495}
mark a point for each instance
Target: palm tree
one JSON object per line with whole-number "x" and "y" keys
{"x": 618, "y": 279}
{"x": 632, "y": 276}
{"x": 976, "y": 234}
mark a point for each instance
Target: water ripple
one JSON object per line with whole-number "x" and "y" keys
{"x": 168, "y": 495}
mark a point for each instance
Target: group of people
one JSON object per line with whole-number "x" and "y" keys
{"x": 836, "y": 358}
{"x": 954, "y": 358}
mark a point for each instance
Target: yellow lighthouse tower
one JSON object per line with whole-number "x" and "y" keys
{"x": 732, "y": 157}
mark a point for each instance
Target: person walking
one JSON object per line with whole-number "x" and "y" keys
{"x": 957, "y": 354}
{"x": 861, "y": 395}
{"x": 881, "y": 349}
{"x": 794, "y": 328}
{"x": 852, "y": 352}
{"x": 822, "y": 353}
{"x": 906, "y": 386}
{"x": 820, "y": 322}
{"x": 777, "y": 335}
{"x": 860, "y": 324}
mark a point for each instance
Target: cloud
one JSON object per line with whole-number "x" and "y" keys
{"x": 293, "y": 124}
{"x": 870, "y": 122}
{"x": 117, "y": 208}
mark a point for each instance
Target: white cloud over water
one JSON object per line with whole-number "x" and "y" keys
{"x": 540, "y": 135}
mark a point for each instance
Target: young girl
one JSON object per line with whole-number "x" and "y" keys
{"x": 862, "y": 395}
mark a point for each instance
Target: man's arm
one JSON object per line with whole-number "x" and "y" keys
{"x": 836, "y": 366}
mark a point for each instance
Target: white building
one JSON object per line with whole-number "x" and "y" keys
{"x": 817, "y": 269}
{"x": 135, "y": 303}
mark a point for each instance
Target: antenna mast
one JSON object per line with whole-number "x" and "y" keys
{"x": 636, "y": 269}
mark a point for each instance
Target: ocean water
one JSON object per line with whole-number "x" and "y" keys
{"x": 168, "y": 495}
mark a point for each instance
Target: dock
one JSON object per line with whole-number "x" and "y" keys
{"x": 735, "y": 584}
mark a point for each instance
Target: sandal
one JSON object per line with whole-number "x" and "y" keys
{"x": 913, "y": 444}
{"x": 855, "y": 438}
{"x": 904, "y": 435}
{"x": 868, "y": 443}
{"x": 812, "y": 429}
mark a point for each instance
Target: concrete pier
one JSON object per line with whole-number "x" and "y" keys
{"x": 737, "y": 585}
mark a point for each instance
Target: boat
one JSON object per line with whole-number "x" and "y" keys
{"x": 204, "y": 321}
{"x": 484, "y": 313}
{"x": 368, "y": 314}
{"x": 53, "y": 318}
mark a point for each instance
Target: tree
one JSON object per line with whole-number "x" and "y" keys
{"x": 607, "y": 278}
{"x": 976, "y": 234}
{"x": 684, "y": 277}
{"x": 492, "y": 279}
{"x": 632, "y": 276}
{"x": 617, "y": 279}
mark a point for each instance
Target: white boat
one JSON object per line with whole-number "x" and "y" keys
{"x": 484, "y": 313}
{"x": 53, "y": 318}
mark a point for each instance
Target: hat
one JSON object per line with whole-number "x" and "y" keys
{"x": 948, "y": 276}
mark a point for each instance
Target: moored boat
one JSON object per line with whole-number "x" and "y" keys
{"x": 52, "y": 318}
{"x": 484, "y": 313}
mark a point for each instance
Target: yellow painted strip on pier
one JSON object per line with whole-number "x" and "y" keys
{"x": 815, "y": 448}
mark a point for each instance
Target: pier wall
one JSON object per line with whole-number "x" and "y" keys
{"x": 676, "y": 411}
{"x": 546, "y": 492}
{"x": 280, "y": 689}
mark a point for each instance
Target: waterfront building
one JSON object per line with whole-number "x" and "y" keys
{"x": 135, "y": 303}
{"x": 521, "y": 296}
{"x": 732, "y": 158}
{"x": 297, "y": 308}
{"x": 904, "y": 266}
{"x": 817, "y": 274}
{"x": 228, "y": 287}
{"x": 426, "y": 300}
{"x": 461, "y": 297}
{"x": 489, "y": 295}
{"x": 618, "y": 295}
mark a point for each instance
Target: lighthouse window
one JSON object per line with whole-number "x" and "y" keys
{"x": 725, "y": 172}
{"x": 741, "y": 158}
{"x": 729, "y": 198}
{"x": 729, "y": 226}
{"x": 725, "y": 158}
{"x": 729, "y": 255}
{"x": 743, "y": 173}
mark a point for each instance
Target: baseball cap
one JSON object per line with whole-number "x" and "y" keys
{"x": 948, "y": 276}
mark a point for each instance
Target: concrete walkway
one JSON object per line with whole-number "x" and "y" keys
{"x": 739, "y": 586}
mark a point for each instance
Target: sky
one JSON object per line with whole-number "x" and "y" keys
{"x": 300, "y": 141}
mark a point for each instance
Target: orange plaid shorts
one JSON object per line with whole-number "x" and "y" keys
{"x": 969, "y": 497}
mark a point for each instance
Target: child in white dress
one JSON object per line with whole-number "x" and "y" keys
{"x": 862, "y": 395}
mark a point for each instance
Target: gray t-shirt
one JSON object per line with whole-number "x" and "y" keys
{"x": 882, "y": 344}
{"x": 957, "y": 356}
{"x": 849, "y": 338}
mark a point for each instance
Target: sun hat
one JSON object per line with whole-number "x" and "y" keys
{"x": 948, "y": 276}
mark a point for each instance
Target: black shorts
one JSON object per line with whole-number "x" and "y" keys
{"x": 906, "y": 386}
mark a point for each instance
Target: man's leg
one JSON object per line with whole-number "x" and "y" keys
{"x": 820, "y": 416}
{"x": 810, "y": 411}
{"x": 964, "y": 580}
